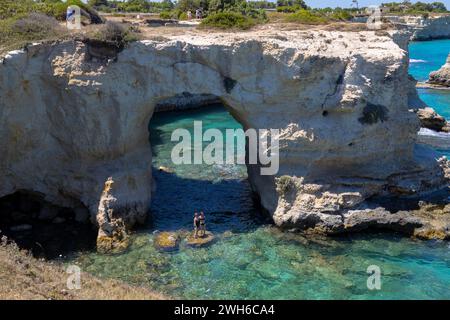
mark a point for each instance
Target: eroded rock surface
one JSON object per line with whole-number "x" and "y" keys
{"x": 442, "y": 76}
{"x": 431, "y": 120}
{"x": 69, "y": 124}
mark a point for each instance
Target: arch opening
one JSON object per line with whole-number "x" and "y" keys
{"x": 222, "y": 191}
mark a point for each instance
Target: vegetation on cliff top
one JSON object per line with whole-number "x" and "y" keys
{"x": 228, "y": 20}
{"x": 407, "y": 7}
{"x": 16, "y": 32}
{"x": 24, "y": 277}
{"x": 53, "y": 8}
{"x": 115, "y": 33}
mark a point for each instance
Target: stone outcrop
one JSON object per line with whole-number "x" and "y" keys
{"x": 431, "y": 120}
{"x": 442, "y": 76}
{"x": 423, "y": 29}
{"x": 340, "y": 100}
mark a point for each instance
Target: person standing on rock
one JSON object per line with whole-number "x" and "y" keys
{"x": 202, "y": 221}
{"x": 196, "y": 225}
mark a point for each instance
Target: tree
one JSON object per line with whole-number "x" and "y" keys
{"x": 291, "y": 3}
{"x": 98, "y": 3}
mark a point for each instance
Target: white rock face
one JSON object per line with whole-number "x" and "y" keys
{"x": 432, "y": 28}
{"x": 340, "y": 100}
{"x": 425, "y": 29}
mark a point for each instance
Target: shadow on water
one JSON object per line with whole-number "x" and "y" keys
{"x": 228, "y": 204}
{"x": 47, "y": 231}
{"x": 221, "y": 192}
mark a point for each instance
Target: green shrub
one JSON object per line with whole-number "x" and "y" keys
{"x": 228, "y": 20}
{"x": 173, "y": 14}
{"x": 115, "y": 33}
{"x": 288, "y": 9}
{"x": 306, "y": 17}
{"x": 183, "y": 16}
{"x": 341, "y": 15}
{"x": 16, "y": 32}
{"x": 165, "y": 15}
{"x": 56, "y": 9}
{"x": 35, "y": 24}
{"x": 284, "y": 184}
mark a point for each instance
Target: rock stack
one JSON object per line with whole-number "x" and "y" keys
{"x": 442, "y": 76}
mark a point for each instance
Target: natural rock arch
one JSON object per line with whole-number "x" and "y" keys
{"x": 71, "y": 122}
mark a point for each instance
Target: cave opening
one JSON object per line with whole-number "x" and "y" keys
{"x": 221, "y": 191}
{"x": 44, "y": 229}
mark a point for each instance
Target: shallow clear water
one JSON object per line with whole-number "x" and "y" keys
{"x": 250, "y": 258}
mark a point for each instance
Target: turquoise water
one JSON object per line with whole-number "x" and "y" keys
{"x": 250, "y": 258}
{"x": 428, "y": 56}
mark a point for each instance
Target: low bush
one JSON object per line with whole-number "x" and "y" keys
{"x": 56, "y": 9}
{"x": 306, "y": 17}
{"x": 115, "y": 33}
{"x": 173, "y": 14}
{"x": 35, "y": 26}
{"x": 288, "y": 9}
{"x": 228, "y": 20}
{"x": 166, "y": 15}
{"x": 22, "y": 29}
{"x": 341, "y": 15}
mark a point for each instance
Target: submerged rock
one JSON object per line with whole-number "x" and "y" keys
{"x": 200, "y": 240}
{"x": 166, "y": 241}
{"x": 21, "y": 227}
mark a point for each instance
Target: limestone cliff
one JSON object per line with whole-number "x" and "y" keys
{"x": 428, "y": 28}
{"x": 70, "y": 122}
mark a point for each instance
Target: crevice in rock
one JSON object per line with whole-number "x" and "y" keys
{"x": 372, "y": 113}
{"x": 229, "y": 84}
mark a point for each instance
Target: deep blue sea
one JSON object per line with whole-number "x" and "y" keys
{"x": 250, "y": 258}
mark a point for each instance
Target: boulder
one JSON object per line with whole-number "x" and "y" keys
{"x": 442, "y": 76}
{"x": 431, "y": 120}
{"x": 166, "y": 241}
{"x": 200, "y": 241}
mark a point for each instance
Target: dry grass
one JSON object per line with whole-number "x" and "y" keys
{"x": 23, "y": 277}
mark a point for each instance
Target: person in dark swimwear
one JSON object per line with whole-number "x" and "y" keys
{"x": 202, "y": 221}
{"x": 196, "y": 225}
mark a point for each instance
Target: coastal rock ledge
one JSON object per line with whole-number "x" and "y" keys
{"x": 442, "y": 76}
{"x": 75, "y": 129}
